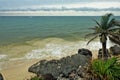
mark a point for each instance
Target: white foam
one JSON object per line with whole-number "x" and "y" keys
{"x": 14, "y": 59}
{"x": 3, "y": 56}
{"x": 61, "y": 49}
{"x": 109, "y": 43}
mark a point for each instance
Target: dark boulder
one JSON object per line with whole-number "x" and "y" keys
{"x": 48, "y": 77}
{"x": 85, "y": 52}
{"x": 106, "y": 56}
{"x": 115, "y": 50}
{"x": 82, "y": 73}
{"x": 56, "y": 67}
{"x": 1, "y": 77}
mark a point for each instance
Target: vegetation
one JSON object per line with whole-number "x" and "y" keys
{"x": 36, "y": 78}
{"x": 107, "y": 70}
{"x": 107, "y": 27}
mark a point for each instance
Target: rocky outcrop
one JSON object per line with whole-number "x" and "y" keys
{"x": 115, "y": 50}
{"x": 85, "y": 52}
{"x": 47, "y": 77}
{"x": 63, "y": 66}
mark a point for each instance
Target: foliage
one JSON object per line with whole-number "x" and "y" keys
{"x": 107, "y": 27}
{"x": 36, "y": 78}
{"x": 106, "y": 70}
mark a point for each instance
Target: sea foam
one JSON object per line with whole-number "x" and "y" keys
{"x": 3, "y": 56}
{"x": 59, "y": 50}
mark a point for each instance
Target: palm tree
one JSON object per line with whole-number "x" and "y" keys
{"x": 116, "y": 38}
{"x": 105, "y": 28}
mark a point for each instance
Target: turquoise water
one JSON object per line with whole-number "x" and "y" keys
{"x": 18, "y": 29}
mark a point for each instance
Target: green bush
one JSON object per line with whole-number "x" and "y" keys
{"x": 106, "y": 70}
{"x": 36, "y": 78}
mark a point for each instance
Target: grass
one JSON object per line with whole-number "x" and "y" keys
{"x": 106, "y": 70}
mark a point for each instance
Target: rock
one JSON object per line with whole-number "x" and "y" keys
{"x": 106, "y": 56}
{"x": 1, "y": 77}
{"x": 79, "y": 74}
{"x": 48, "y": 77}
{"x": 62, "y": 78}
{"x": 72, "y": 76}
{"x": 115, "y": 50}
{"x": 85, "y": 52}
{"x": 56, "y": 67}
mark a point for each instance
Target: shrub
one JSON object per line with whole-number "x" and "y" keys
{"x": 106, "y": 70}
{"x": 36, "y": 78}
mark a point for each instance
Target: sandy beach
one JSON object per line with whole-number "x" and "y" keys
{"x": 18, "y": 70}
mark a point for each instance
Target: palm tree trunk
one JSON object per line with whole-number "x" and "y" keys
{"x": 103, "y": 49}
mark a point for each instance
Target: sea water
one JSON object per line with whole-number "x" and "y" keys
{"x": 29, "y": 37}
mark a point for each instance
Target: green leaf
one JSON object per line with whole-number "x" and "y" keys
{"x": 92, "y": 39}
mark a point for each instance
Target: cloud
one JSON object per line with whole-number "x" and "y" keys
{"x": 63, "y": 9}
{"x": 57, "y": 13}
{"x": 12, "y": 4}
{"x": 81, "y": 8}
{"x": 98, "y": 5}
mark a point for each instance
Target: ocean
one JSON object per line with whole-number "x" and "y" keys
{"x": 29, "y": 37}
{"x": 17, "y": 29}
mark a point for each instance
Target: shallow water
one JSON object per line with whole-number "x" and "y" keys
{"x": 50, "y": 47}
{"x": 43, "y": 37}
{"x": 20, "y": 29}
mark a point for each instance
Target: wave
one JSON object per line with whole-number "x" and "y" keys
{"x": 61, "y": 49}
{"x": 3, "y": 56}
{"x": 50, "y": 47}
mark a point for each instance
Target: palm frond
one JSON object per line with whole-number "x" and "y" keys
{"x": 90, "y": 34}
{"x": 115, "y": 39}
{"x": 117, "y": 23}
{"x": 97, "y": 22}
{"x": 92, "y": 39}
{"x": 111, "y": 23}
{"x": 113, "y": 34}
{"x": 113, "y": 29}
{"x": 97, "y": 29}
{"x": 104, "y": 20}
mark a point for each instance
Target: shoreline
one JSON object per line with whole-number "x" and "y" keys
{"x": 50, "y": 46}
{"x": 18, "y": 70}
{"x": 22, "y": 56}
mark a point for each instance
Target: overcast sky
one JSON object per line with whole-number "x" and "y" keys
{"x": 58, "y": 4}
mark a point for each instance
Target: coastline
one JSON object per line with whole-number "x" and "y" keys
{"x": 22, "y": 56}
{"x": 18, "y": 70}
{"x": 38, "y": 49}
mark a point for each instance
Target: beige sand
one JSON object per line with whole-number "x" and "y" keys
{"x": 18, "y": 70}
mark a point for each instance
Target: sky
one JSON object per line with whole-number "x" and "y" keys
{"x": 59, "y": 7}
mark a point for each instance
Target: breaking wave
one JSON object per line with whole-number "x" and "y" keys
{"x": 3, "y": 56}
{"x": 59, "y": 50}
